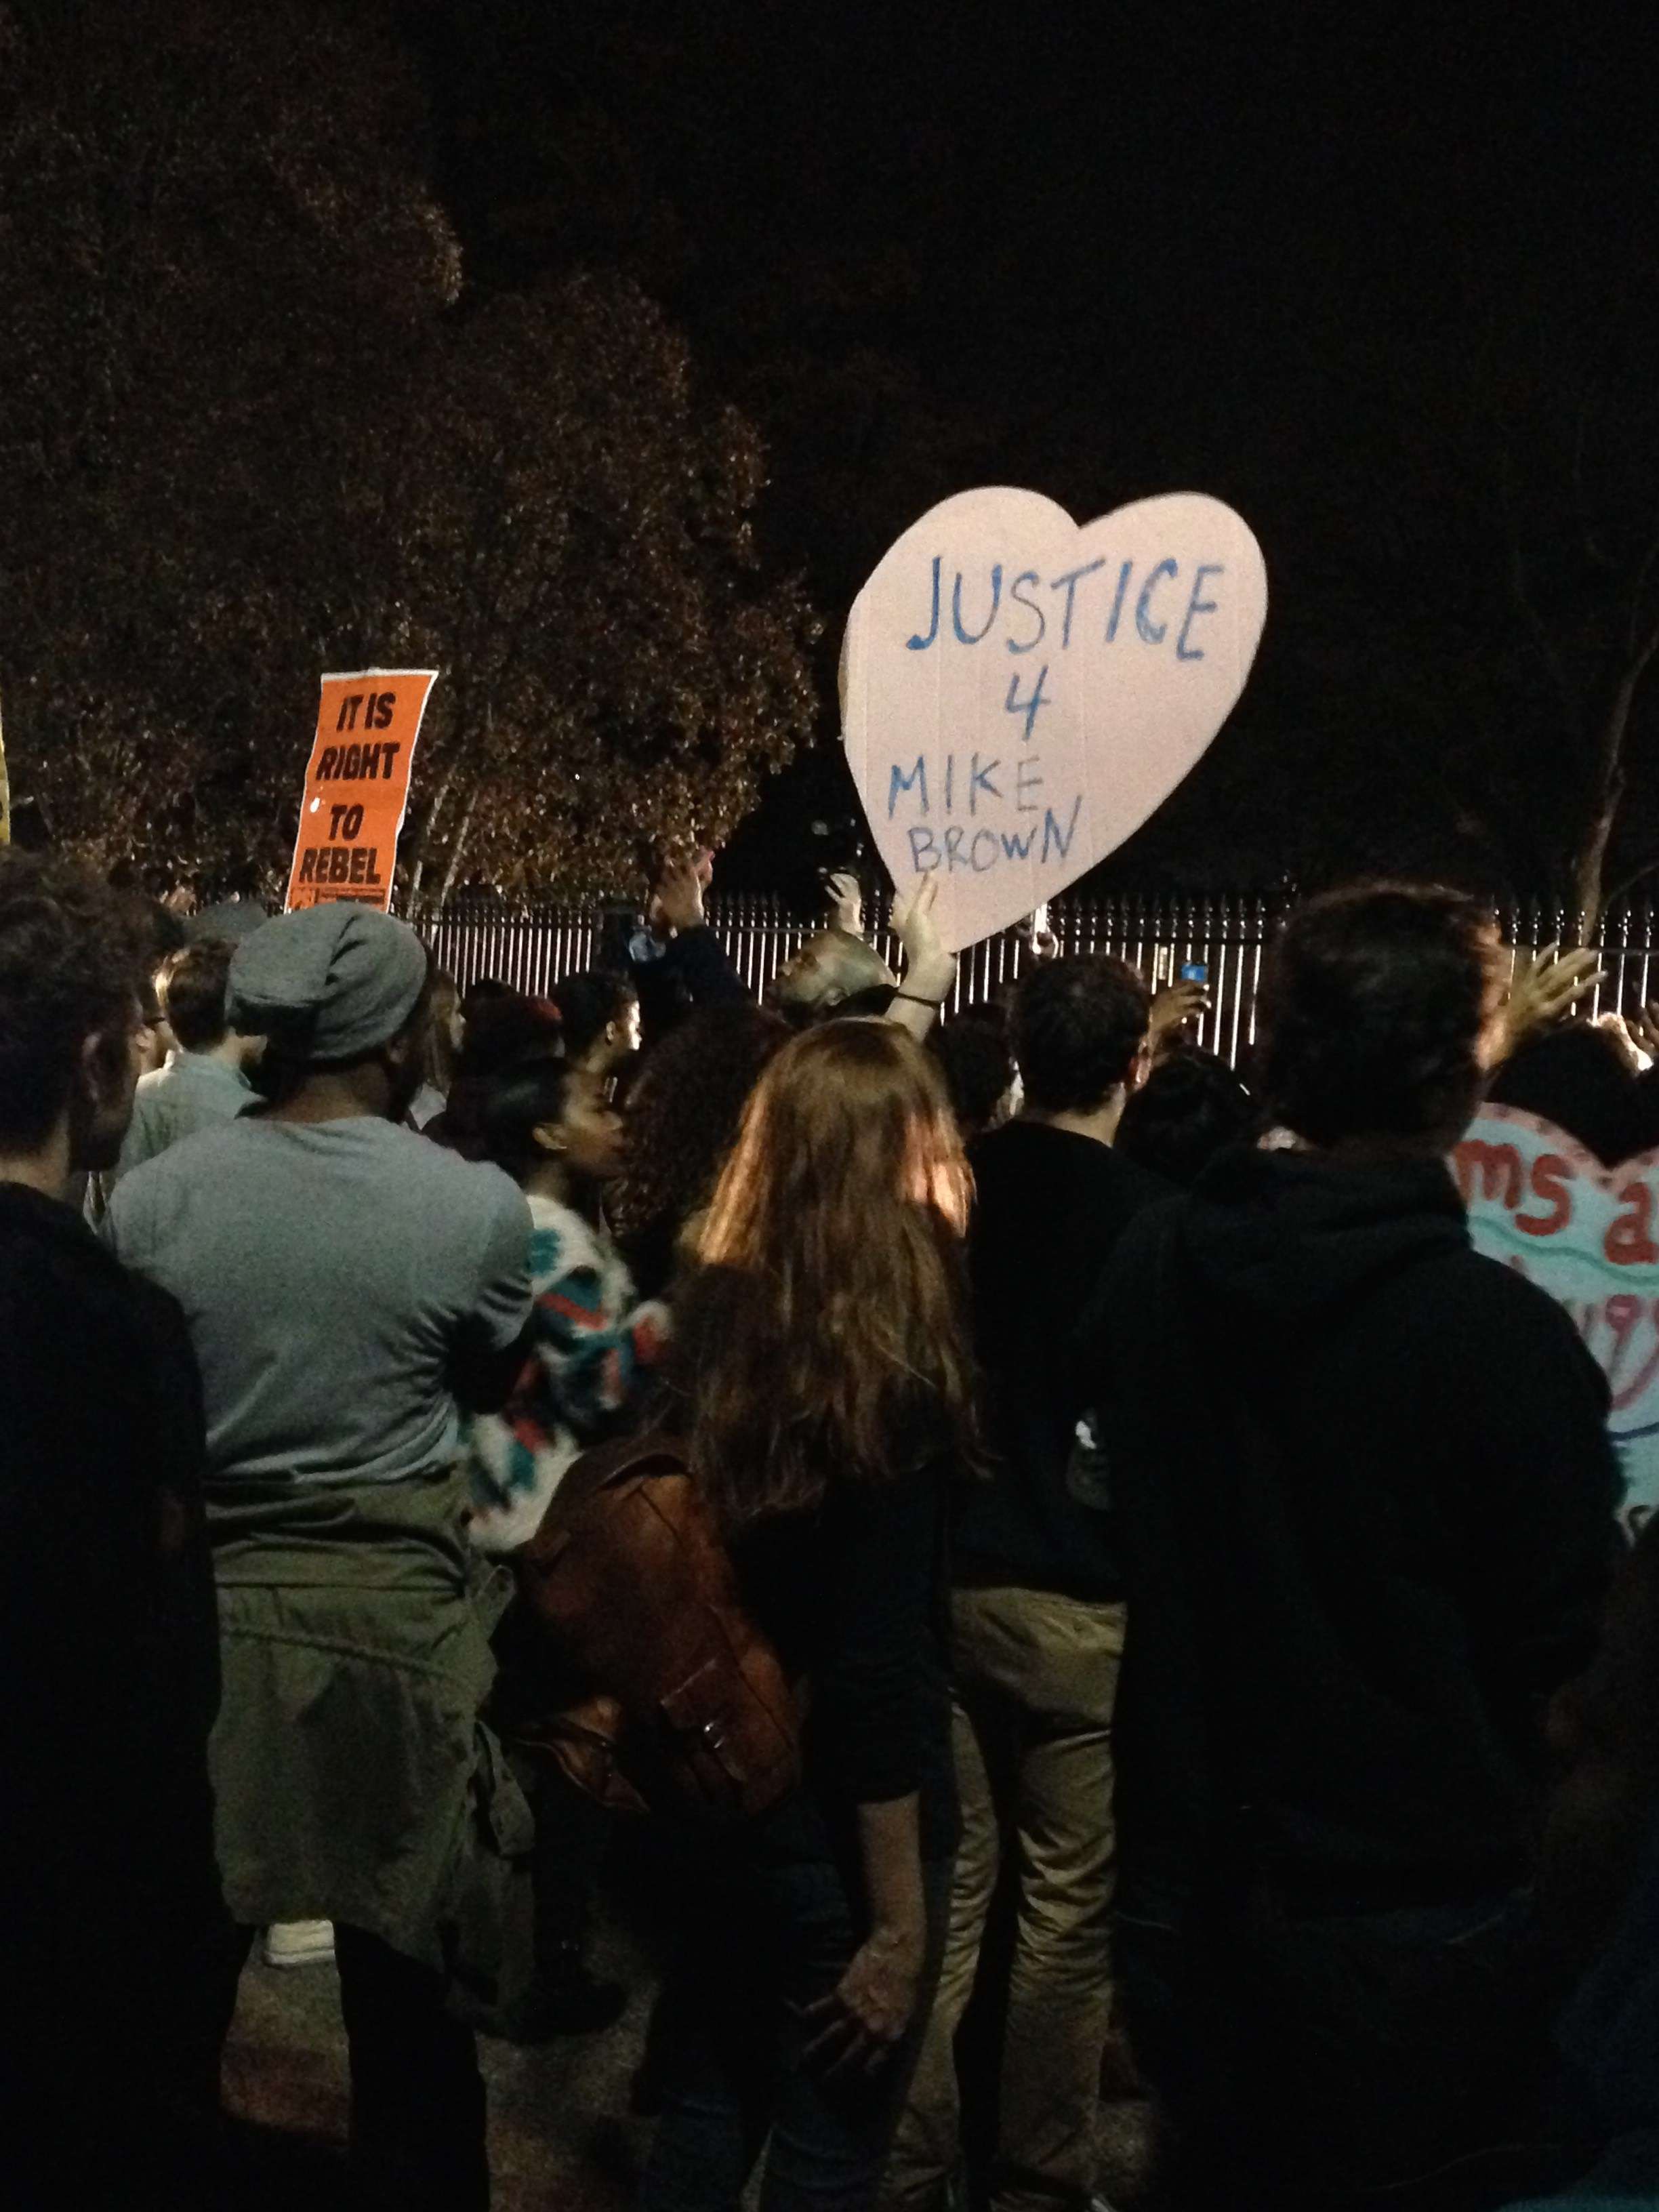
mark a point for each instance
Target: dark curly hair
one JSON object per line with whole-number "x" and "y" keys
{"x": 1373, "y": 1006}
{"x": 1077, "y": 1024}
{"x": 977, "y": 1063}
{"x": 683, "y": 1115}
{"x": 73, "y": 960}
{"x": 1191, "y": 1106}
{"x": 588, "y": 1003}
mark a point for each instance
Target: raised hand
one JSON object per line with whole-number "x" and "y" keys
{"x": 1546, "y": 987}
{"x": 845, "y": 902}
{"x": 1175, "y": 1005}
{"x": 679, "y": 902}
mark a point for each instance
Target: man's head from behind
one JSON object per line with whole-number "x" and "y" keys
{"x": 834, "y": 973}
{"x": 1382, "y": 1008}
{"x": 72, "y": 962}
{"x": 1079, "y": 1032}
{"x": 343, "y": 994}
{"x": 191, "y": 990}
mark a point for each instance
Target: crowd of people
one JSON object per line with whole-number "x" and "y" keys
{"x": 1211, "y": 1648}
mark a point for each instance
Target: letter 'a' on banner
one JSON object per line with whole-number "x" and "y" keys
{"x": 356, "y": 788}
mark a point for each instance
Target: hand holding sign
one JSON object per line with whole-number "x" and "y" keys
{"x": 1019, "y": 693}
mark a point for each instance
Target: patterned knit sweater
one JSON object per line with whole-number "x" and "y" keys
{"x": 593, "y": 1349}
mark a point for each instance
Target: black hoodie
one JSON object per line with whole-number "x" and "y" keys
{"x": 1365, "y": 1498}
{"x": 1050, "y": 1207}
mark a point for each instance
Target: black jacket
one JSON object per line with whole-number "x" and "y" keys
{"x": 109, "y": 1898}
{"x": 1366, "y": 1498}
{"x": 691, "y": 971}
{"x": 1050, "y": 1209}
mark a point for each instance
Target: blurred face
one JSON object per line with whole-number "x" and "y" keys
{"x": 588, "y": 1139}
{"x": 110, "y": 1067}
{"x": 826, "y": 970}
{"x": 405, "y": 1062}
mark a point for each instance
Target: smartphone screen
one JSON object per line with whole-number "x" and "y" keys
{"x": 1195, "y": 972}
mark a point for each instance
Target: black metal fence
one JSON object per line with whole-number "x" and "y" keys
{"x": 531, "y": 946}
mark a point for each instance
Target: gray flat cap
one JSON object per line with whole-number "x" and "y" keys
{"x": 328, "y": 983}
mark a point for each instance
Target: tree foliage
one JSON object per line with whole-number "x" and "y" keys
{"x": 254, "y": 426}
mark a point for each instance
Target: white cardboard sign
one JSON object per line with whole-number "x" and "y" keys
{"x": 1589, "y": 1236}
{"x": 1019, "y": 693}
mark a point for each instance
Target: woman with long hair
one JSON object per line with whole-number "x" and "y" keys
{"x": 681, "y": 1121}
{"x": 826, "y": 1394}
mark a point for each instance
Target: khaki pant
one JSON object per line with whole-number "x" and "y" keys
{"x": 1036, "y": 1680}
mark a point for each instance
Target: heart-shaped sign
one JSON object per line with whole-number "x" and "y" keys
{"x": 1019, "y": 693}
{"x": 1589, "y": 1236}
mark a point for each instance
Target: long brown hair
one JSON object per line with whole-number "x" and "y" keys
{"x": 833, "y": 1321}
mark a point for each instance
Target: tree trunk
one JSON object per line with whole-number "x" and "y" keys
{"x": 414, "y": 851}
{"x": 456, "y": 842}
{"x": 1606, "y": 792}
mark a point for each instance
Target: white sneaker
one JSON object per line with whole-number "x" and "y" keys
{"x": 298, "y": 1943}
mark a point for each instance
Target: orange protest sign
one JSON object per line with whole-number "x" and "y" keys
{"x": 357, "y": 786}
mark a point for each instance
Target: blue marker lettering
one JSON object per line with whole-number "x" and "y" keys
{"x": 950, "y": 783}
{"x": 1015, "y": 848}
{"x": 1051, "y": 829}
{"x": 1027, "y": 780}
{"x": 973, "y": 637}
{"x": 1143, "y": 622}
{"x": 919, "y": 643}
{"x": 924, "y": 854}
{"x": 916, "y": 781}
{"x": 988, "y": 839}
{"x": 979, "y": 781}
{"x": 1027, "y": 577}
{"x": 1197, "y": 606}
{"x": 953, "y": 837}
{"x": 1117, "y": 603}
{"x": 1013, "y": 704}
{"x": 1072, "y": 579}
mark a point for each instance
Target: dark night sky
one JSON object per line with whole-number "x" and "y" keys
{"x": 1103, "y": 251}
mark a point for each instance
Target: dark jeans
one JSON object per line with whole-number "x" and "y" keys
{"x": 417, "y": 2097}
{"x": 1390, "y": 2059}
{"x": 765, "y": 1938}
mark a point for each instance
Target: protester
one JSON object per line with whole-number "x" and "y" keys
{"x": 833, "y": 974}
{"x": 1365, "y": 1495}
{"x": 1599, "y": 1896}
{"x": 1190, "y": 1107}
{"x": 502, "y": 1028}
{"x": 598, "y": 1019}
{"x": 109, "y": 1906}
{"x": 547, "y": 1123}
{"x": 977, "y": 1063}
{"x": 346, "y": 1285}
{"x": 836, "y": 976}
{"x": 1578, "y": 1077}
{"x": 445, "y": 1030}
{"x": 594, "y": 1349}
{"x": 1036, "y": 1612}
{"x": 681, "y": 1121}
{"x": 827, "y": 1402}
{"x": 204, "y": 1081}
{"x": 675, "y": 960}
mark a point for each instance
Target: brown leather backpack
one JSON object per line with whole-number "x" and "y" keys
{"x": 669, "y": 1698}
